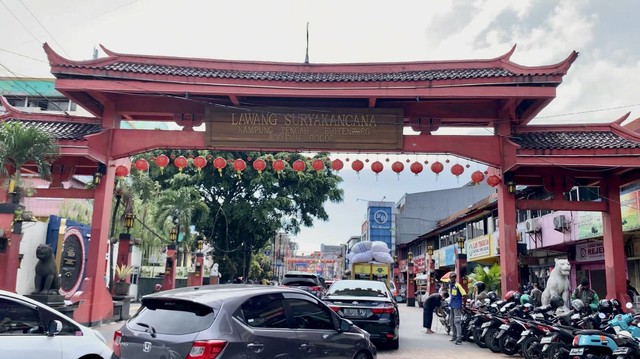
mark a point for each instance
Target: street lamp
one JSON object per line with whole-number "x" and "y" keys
{"x": 460, "y": 243}
{"x": 429, "y": 251}
{"x": 173, "y": 234}
{"x": 128, "y": 221}
{"x": 411, "y": 300}
{"x": 200, "y": 244}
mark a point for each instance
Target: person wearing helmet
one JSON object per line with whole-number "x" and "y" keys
{"x": 588, "y": 296}
{"x": 456, "y": 291}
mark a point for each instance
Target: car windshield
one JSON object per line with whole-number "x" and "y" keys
{"x": 172, "y": 317}
{"x": 358, "y": 288}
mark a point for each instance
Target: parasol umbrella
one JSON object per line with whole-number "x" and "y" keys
{"x": 445, "y": 277}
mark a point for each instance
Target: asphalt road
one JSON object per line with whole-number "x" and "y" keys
{"x": 414, "y": 342}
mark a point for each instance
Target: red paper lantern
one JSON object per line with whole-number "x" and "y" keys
{"x": 337, "y": 164}
{"x": 162, "y": 161}
{"x": 298, "y": 166}
{"x": 219, "y": 163}
{"x": 317, "y": 165}
{"x": 477, "y": 177}
{"x": 493, "y": 180}
{"x": 278, "y": 166}
{"x": 416, "y": 167}
{"x": 239, "y": 165}
{"x": 397, "y": 167}
{"x": 259, "y": 165}
{"x": 437, "y": 167}
{"x": 199, "y": 162}
{"x": 357, "y": 166}
{"x": 142, "y": 164}
{"x": 377, "y": 167}
{"x": 457, "y": 169}
{"x": 122, "y": 171}
{"x": 180, "y": 162}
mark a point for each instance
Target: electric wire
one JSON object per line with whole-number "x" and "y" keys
{"x": 43, "y": 27}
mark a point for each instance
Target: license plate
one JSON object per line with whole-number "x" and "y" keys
{"x": 353, "y": 312}
{"x": 485, "y": 325}
{"x": 524, "y": 333}
{"x": 621, "y": 351}
{"x": 504, "y": 327}
{"x": 576, "y": 351}
{"x": 545, "y": 340}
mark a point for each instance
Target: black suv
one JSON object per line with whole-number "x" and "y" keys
{"x": 238, "y": 321}
{"x": 309, "y": 282}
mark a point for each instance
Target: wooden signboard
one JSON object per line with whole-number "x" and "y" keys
{"x": 304, "y": 129}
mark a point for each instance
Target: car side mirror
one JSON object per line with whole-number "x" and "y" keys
{"x": 345, "y": 325}
{"x": 55, "y": 327}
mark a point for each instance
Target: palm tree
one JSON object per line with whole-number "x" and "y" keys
{"x": 20, "y": 145}
{"x": 180, "y": 207}
{"x": 489, "y": 276}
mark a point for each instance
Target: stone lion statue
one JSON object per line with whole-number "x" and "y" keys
{"x": 214, "y": 270}
{"x": 558, "y": 283}
{"x": 46, "y": 280}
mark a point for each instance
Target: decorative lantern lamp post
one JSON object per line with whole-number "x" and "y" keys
{"x": 461, "y": 262}
{"x": 196, "y": 278}
{"x": 411, "y": 294}
{"x": 170, "y": 265}
{"x": 396, "y": 275}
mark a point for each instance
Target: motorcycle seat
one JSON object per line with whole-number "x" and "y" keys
{"x": 595, "y": 332}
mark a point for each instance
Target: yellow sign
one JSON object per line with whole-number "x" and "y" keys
{"x": 298, "y": 129}
{"x": 479, "y": 248}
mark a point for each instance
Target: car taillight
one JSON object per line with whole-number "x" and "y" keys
{"x": 316, "y": 289}
{"x": 334, "y": 308}
{"x": 117, "y": 338}
{"x": 380, "y": 310}
{"x": 206, "y": 349}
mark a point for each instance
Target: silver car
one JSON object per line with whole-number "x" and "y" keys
{"x": 239, "y": 321}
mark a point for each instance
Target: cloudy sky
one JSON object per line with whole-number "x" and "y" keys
{"x": 602, "y": 85}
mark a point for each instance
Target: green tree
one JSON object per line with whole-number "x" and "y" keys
{"x": 21, "y": 145}
{"x": 490, "y": 276}
{"x": 248, "y": 208}
{"x": 180, "y": 207}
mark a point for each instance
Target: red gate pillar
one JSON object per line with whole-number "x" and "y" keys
{"x": 124, "y": 255}
{"x": 615, "y": 261}
{"x": 96, "y": 304}
{"x": 411, "y": 293}
{"x": 508, "y": 240}
{"x": 170, "y": 268}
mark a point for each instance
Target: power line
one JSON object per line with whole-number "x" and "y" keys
{"x": 25, "y": 56}
{"x": 19, "y": 21}
{"x": 42, "y": 26}
{"x": 34, "y": 90}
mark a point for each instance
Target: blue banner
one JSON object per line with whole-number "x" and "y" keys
{"x": 449, "y": 255}
{"x": 380, "y": 221}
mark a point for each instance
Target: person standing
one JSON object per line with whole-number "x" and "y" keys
{"x": 536, "y": 295}
{"x": 430, "y": 304}
{"x": 587, "y": 295}
{"x": 456, "y": 292}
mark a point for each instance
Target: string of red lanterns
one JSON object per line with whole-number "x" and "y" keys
{"x": 318, "y": 165}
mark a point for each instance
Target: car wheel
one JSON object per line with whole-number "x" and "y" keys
{"x": 361, "y": 355}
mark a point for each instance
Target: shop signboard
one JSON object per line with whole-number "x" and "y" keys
{"x": 479, "y": 248}
{"x": 589, "y": 225}
{"x": 450, "y": 255}
{"x": 591, "y": 251}
{"x": 629, "y": 211}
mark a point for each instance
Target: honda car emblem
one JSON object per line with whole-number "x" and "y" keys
{"x": 146, "y": 347}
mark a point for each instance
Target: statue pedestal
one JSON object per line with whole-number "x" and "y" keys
{"x": 121, "y": 307}
{"x": 214, "y": 279}
{"x": 56, "y": 302}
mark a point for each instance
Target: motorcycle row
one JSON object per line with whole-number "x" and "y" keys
{"x": 514, "y": 326}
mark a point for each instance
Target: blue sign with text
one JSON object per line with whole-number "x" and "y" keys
{"x": 380, "y": 221}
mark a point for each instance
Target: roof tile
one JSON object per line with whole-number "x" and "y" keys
{"x": 575, "y": 140}
{"x": 64, "y": 130}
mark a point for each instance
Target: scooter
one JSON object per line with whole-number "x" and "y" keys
{"x": 602, "y": 344}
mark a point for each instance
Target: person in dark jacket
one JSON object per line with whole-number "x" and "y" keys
{"x": 430, "y": 304}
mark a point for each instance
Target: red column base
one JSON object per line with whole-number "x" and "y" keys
{"x": 94, "y": 308}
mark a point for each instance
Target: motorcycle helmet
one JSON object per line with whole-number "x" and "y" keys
{"x": 492, "y": 296}
{"x": 479, "y": 286}
{"x": 524, "y": 299}
{"x": 556, "y": 301}
{"x": 577, "y": 304}
{"x": 604, "y": 306}
{"x": 512, "y": 296}
{"x": 616, "y": 306}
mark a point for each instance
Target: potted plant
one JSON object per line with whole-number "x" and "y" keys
{"x": 123, "y": 272}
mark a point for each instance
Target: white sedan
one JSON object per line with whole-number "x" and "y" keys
{"x": 30, "y": 329}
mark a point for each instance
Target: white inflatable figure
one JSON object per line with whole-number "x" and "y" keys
{"x": 558, "y": 282}
{"x": 214, "y": 270}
